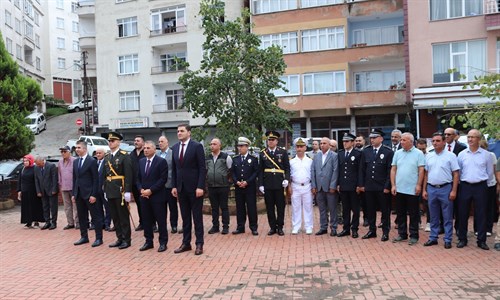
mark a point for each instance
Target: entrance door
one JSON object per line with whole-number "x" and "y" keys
{"x": 338, "y": 134}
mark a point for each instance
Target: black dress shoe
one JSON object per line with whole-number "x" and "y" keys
{"x": 483, "y": 246}
{"x": 321, "y": 232}
{"x": 139, "y": 228}
{"x": 124, "y": 245}
{"x": 213, "y": 230}
{"x": 384, "y": 238}
{"x": 225, "y": 230}
{"x": 355, "y": 234}
{"x": 281, "y": 232}
{"x": 46, "y": 226}
{"x": 183, "y": 248}
{"x": 174, "y": 230}
{"x": 399, "y": 239}
{"x": 81, "y": 241}
{"x": 115, "y": 244}
{"x": 199, "y": 250}
{"x": 97, "y": 243}
{"x": 238, "y": 231}
{"x": 146, "y": 246}
{"x": 497, "y": 246}
{"x": 369, "y": 235}
{"x": 461, "y": 244}
{"x": 271, "y": 232}
{"x": 447, "y": 245}
{"x": 52, "y": 226}
{"x": 344, "y": 233}
{"x": 333, "y": 232}
{"x": 162, "y": 248}
{"x": 430, "y": 243}
{"x": 255, "y": 232}
{"x": 68, "y": 227}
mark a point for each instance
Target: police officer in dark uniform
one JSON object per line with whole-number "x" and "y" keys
{"x": 375, "y": 181}
{"x": 349, "y": 165}
{"x": 244, "y": 171}
{"x": 117, "y": 188}
{"x": 273, "y": 178}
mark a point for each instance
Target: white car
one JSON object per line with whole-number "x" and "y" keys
{"x": 80, "y": 105}
{"x": 36, "y": 122}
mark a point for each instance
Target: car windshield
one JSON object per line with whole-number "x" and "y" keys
{"x": 30, "y": 121}
{"x": 7, "y": 167}
{"x": 100, "y": 142}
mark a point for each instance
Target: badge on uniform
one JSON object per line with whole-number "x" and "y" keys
{"x": 117, "y": 160}
{"x": 353, "y": 158}
{"x": 279, "y": 160}
{"x": 382, "y": 156}
{"x": 249, "y": 160}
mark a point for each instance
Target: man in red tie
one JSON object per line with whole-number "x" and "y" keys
{"x": 450, "y": 135}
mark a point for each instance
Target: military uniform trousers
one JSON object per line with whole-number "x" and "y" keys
{"x": 327, "y": 204}
{"x": 121, "y": 221}
{"x": 302, "y": 204}
{"x": 350, "y": 202}
{"x": 246, "y": 204}
{"x": 275, "y": 206}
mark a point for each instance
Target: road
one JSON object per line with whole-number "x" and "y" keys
{"x": 59, "y": 130}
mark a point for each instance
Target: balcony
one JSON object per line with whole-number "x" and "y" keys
{"x": 491, "y": 14}
{"x": 85, "y": 8}
{"x": 167, "y": 30}
{"x": 87, "y": 42}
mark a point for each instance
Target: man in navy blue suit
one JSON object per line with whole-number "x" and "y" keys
{"x": 85, "y": 193}
{"x": 188, "y": 176}
{"x": 151, "y": 178}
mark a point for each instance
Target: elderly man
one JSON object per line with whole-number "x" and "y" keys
{"x": 475, "y": 169}
{"x": 333, "y": 145}
{"x": 407, "y": 175}
{"x": 46, "y": 184}
{"x": 440, "y": 189}
{"x": 65, "y": 177}
{"x": 450, "y": 134}
{"x": 324, "y": 181}
{"x": 218, "y": 166}
{"x": 315, "y": 148}
{"x": 100, "y": 152}
{"x": 300, "y": 189}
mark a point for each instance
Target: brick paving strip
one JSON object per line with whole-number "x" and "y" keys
{"x": 37, "y": 264}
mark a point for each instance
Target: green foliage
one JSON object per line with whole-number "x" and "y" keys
{"x": 56, "y": 111}
{"x": 53, "y": 102}
{"x": 18, "y": 96}
{"x": 235, "y": 81}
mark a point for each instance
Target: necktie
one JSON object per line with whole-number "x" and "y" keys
{"x": 242, "y": 159}
{"x": 272, "y": 153}
{"x": 99, "y": 166}
{"x": 449, "y": 147}
{"x": 147, "y": 167}
{"x": 394, "y": 148}
{"x": 43, "y": 170}
{"x": 181, "y": 156}
{"x": 346, "y": 154}
{"x": 374, "y": 153}
{"x": 81, "y": 163}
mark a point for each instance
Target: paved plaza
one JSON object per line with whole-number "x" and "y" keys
{"x": 37, "y": 264}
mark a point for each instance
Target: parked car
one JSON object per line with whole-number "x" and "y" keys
{"x": 80, "y": 105}
{"x": 36, "y": 122}
{"x": 10, "y": 169}
{"x": 92, "y": 143}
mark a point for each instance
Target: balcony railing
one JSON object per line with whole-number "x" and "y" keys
{"x": 491, "y": 6}
{"x": 166, "y": 69}
{"x": 164, "y": 107}
{"x": 168, "y": 30}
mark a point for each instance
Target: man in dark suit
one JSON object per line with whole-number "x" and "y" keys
{"x": 274, "y": 177}
{"x": 135, "y": 156}
{"x": 349, "y": 165}
{"x": 450, "y": 135}
{"x": 188, "y": 176}
{"x": 100, "y": 152}
{"x": 151, "y": 179}
{"x": 245, "y": 169}
{"x": 166, "y": 153}
{"x": 375, "y": 181}
{"x": 46, "y": 183}
{"x": 85, "y": 193}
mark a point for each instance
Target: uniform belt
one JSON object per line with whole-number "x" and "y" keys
{"x": 274, "y": 171}
{"x": 302, "y": 184}
{"x": 109, "y": 178}
{"x": 437, "y": 186}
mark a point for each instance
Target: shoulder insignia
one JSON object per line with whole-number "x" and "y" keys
{"x": 123, "y": 152}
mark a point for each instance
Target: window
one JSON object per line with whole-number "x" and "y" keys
{"x": 38, "y": 63}
{"x": 8, "y": 45}
{"x": 76, "y": 46}
{"x": 312, "y": 3}
{"x": 129, "y": 100}
{"x": 74, "y": 6}
{"x": 17, "y": 3}
{"x": 378, "y": 35}
{"x": 175, "y": 99}
{"x": 76, "y": 65}
{"x": 60, "y": 4}
{"x": 288, "y": 41}
{"x": 75, "y": 26}
{"x": 28, "y": 30}
{"x": 37, "y": 40}
{"x": 60, "y": 23}
{"x": 127, "y": 27}
{"x": 169, "y": 62}
{"x": 322, "y": 39}
{"x": 18, "y": 26}
{"x": 266, "y": 6}
{"x": 77, "y": 89}
{"x": 61, "y": 43}
{"x": 8, "y": 18}
{"x": 379, "y": 80}
{"x": 61, "y": 63}
{"x": 466, "y": 59}
{"x": 326, "y": 82}
{"x": 447, "y": 9}
{"x": 128, "y": 64}
{"x": 19, "y": 52}
{"x": 291, "y": 83}
{"x": 28, "y": 8}
{"x": 37, "y": 18}
{"x": 168, "y": 20}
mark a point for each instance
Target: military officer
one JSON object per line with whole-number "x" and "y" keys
{"x": 375, "y": 181}
{"x": 245, "y": 169}
{"x": 349, "y": 165}
{"x": 117, "y": 188}
{"x": 273, "y": 178}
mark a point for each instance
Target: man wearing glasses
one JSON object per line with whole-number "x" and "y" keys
{"x": 450, "y": 135}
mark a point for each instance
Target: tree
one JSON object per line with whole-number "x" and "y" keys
{"x": 236, "y": 78}
{"x": 18, "y": 96}
{"x": 485, "y": 117}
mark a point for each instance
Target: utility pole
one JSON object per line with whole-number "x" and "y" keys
{"x": 86, "y": 95}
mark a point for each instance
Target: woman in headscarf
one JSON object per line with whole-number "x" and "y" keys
{"x": 31, "y": 205}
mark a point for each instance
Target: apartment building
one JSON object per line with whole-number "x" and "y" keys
{"x": 345, "y": 63}
{"x": 21, "y": 24}
{"x": 134, "y": 46}
{"x": 61, "y": 50}
{"x": 450, "y": 42}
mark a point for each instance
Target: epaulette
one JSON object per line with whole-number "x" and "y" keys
{"x": 123, "y": 152}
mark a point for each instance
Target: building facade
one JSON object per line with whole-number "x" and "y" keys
{"x": 345, "y": 63}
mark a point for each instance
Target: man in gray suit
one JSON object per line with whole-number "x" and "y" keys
{"x": 166, "y": 153}
{"x": 324, "y": 175}
{"x": 47, "y": 187}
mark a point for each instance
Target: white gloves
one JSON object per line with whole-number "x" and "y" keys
{"x": 127, "y": 197}
{"x": 285, "y": 183}
{"x": 261, "y": 189}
